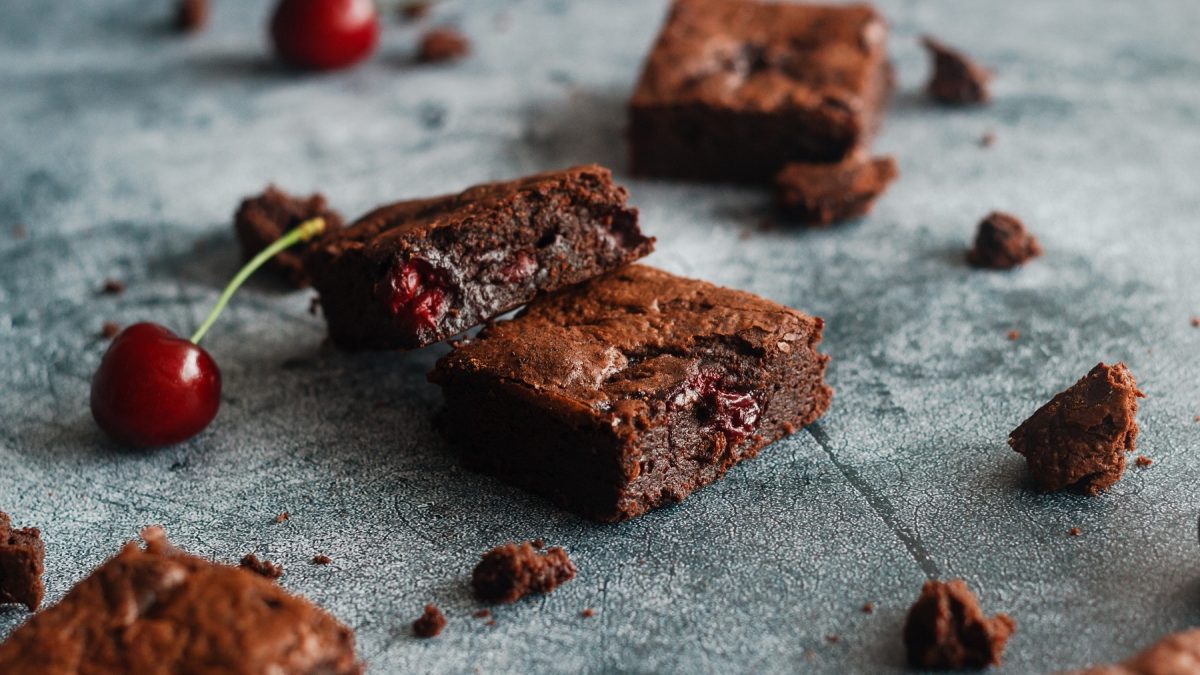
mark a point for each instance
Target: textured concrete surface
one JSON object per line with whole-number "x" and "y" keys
{"x": 125, "y": 149}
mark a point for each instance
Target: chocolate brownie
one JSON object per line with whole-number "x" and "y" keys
{"x": 417, "y": 272}
{"x": 1175, "y": 654}
{"x": 430, "y": 623}
{"x": 632, "y": 390}
{"x": 956, "y": 79}
{"x": 823, "y": 194}
{"x": 442, "y": 44}
{"x": 510, "y": 572}
{"x": 1002, "y": 243}
{"x": 734, "y": 89}
{"x": 946, "y": 629}
{"x": 21, "y": 556}
{"x": 1078, "y": 440}
{"x": 158, "y": 609}
{"x": 264, "y": 218}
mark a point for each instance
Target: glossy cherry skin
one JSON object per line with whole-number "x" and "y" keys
{"x": 324, "y": 34}
{"x": 154, "y": 388}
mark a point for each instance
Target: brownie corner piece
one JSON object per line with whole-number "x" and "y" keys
{"x": 632, "y": 390}
{"x": 734, "y": 89}
{"x": 417, "y": 272}
{"x": 22, "y": 556}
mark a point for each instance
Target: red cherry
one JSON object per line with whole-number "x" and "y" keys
{"x": 324, "y": 34}
{"x": 154, "y": 388}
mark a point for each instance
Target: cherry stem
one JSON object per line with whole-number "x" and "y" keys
{"x": 302, "y": 232}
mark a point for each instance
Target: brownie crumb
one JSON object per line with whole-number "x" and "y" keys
{"x": 483, "y": 613}
{"x": 957, "y": 80}
{"x": 538, "y": 543}
{"x": 321, "y": 559}
{"x": 443, "y": 44}
{"x": 868, "y": 608}
{"x": 1002, "y": 243}
{"x": 262, "y": 219}
{"x": 191, "y": 15}
{"x": 823, "y": 194}
{"x": 1078, "y": 440}
{"x": 832, "y": 639}
{"x": 490, "y": 623}
{"x": 281, "y": 517}
{"x": 988, "y": 139}
{"x": 1196, "y": 322}
{"x": 1196, "y": 418}
{"x": 21, "y": 565}
{"x": 1074, "y": 531}
{"x": 112, "y": 287}
{"x": 1143, "y": 461}
{"x": 1013, "y": 335}
{"x": 415, "y": 10}
{"x": 510, "y": 572}
{"x": 266, "y": 568}
{"x": 587, "y": 613}
{"x": 430, "y": 623}
{"x": 109, "y": 330}
{"x": 946, "y": 629}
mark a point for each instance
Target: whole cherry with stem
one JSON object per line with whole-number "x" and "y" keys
{"x": 154, "y": 388}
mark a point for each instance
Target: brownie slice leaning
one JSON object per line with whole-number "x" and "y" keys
{"x": 417, "y": 272}
{"x": 632, "y": 390}
{"x": 160, "y": 610}
{"x": 734, "y": 89}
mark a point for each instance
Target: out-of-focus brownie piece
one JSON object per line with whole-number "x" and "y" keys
{"x": 1175, "y": 654}
{"x": 443, "y": 44}
{"x": 264, "y": 567}
{"x": 21, "y": 564}
{"x": 191, "y": 15}
{"x": 264, "y": 218}
{"x": 956, "y": 79}
{"x": 510, "y": 572}
{"x": 1002, "y": 243}
{"x": 430, "y": 623}
{"x": 823, "y": 194}
{"x": 734, "y": 89}
{"x": 417, "y": 272}
{"x": 632, "y": 390}
{"x": 1078, "y": 440}
{"x": 945, "y": 628}
{"x": 158, "y": 609}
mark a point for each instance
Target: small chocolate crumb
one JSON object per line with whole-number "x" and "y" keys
{"x": 988, "y": 139}
{"x": 321, "y": 559}
{"x": 266, "y": 568}
{"x": 109, "y": 330}
{"x": 1074, "y": 531}
{"x": 946, "y": 629}
{"x": 112, "y": 287}
{"x": 443, "y": 44}
{"x": 430, "y": 623}
{"x": 868, "y": 608}
{"x": 191, "y": 15}
{"x": 1196, "y": 322}
{"x": 1143, "y": 461}
{"x": 1002, "y": 243}
{"x": 1196, "y": 418}
{"x": 281, "y": 517}
{"x": 483, "y": 613}
{"x": 956, "y": 80}
{"x": 510, "y": 572}
{"x": 832, "y": 639}
{"x": 1013, "y": 335}
{"x": 587, "y": 613}
{"x": 538, "y": 543}
{"x": 415, "y": 10}
{"x": 490, "y": 623}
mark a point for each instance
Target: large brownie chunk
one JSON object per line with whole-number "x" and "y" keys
{"x": 159, "y": 610}
{"x": 734, "y": 89}
{"x": 1078, "y": 440}
{"x": 1175, "y": 654}
{"x": 21, "y": 564}
{"x": 945, "y": 628}
{"x": 417, "y": 272}
{"x": 632, "y": 390}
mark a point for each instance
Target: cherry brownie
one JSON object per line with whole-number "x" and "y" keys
{"x": 632, "y": 390}
{"x": 417, "y": 272}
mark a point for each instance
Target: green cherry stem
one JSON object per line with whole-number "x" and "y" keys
{"x": 302, "y": 232}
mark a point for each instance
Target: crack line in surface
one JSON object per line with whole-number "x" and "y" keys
{"x": 880, "y": 505}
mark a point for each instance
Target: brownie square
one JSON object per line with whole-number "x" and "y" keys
{"x": 632, "y": 390}
{"x": 21, "y": 564}
{"x": 417, "y": 272}
{"x": 734, "y": 89}
{"x": 157, "y": 609}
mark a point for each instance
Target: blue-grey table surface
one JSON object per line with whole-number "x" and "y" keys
{"x": 126, "y": 148}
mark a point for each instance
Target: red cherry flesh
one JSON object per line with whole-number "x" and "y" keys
{"x": 154, "y": 388}
{"x": 324, "y": 34}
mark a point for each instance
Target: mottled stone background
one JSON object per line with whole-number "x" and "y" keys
{"x": 125, "y": 149}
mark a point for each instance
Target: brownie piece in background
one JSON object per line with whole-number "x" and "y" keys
{"x": 1175, "y": 654}
{"x": 21, "y": 564}
{"x": 417, "y": 272}
{"x": 158, "y": 609}
{"x": 430, "y": 623}
{"x": 956, "y": 79}
{"x": 1078, "y": 440}
{"x": 632, "y": 390}
{"x": 945, "y": 628}
{"x": 1002, "y": 243}
{"x": 823, "y": 194}
{"x": 442, "y": 44}
{"x": 264, "y": 218}
{"x": 510, "y": 572}
{"x": 734, "y": 89}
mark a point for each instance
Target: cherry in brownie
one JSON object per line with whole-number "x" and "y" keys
{"x": 1079, "y": 439}
{"x": 632, "y": 390}
{"x": 21, "y": 564}
{"x": 156, "y": 609}
{"x": 264, "y": 218}
{"x": 823, "y": 194}
{"x": 417, "y": 272}
{"x": 945, "y": 628}
{"x": 734, "y": 89}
